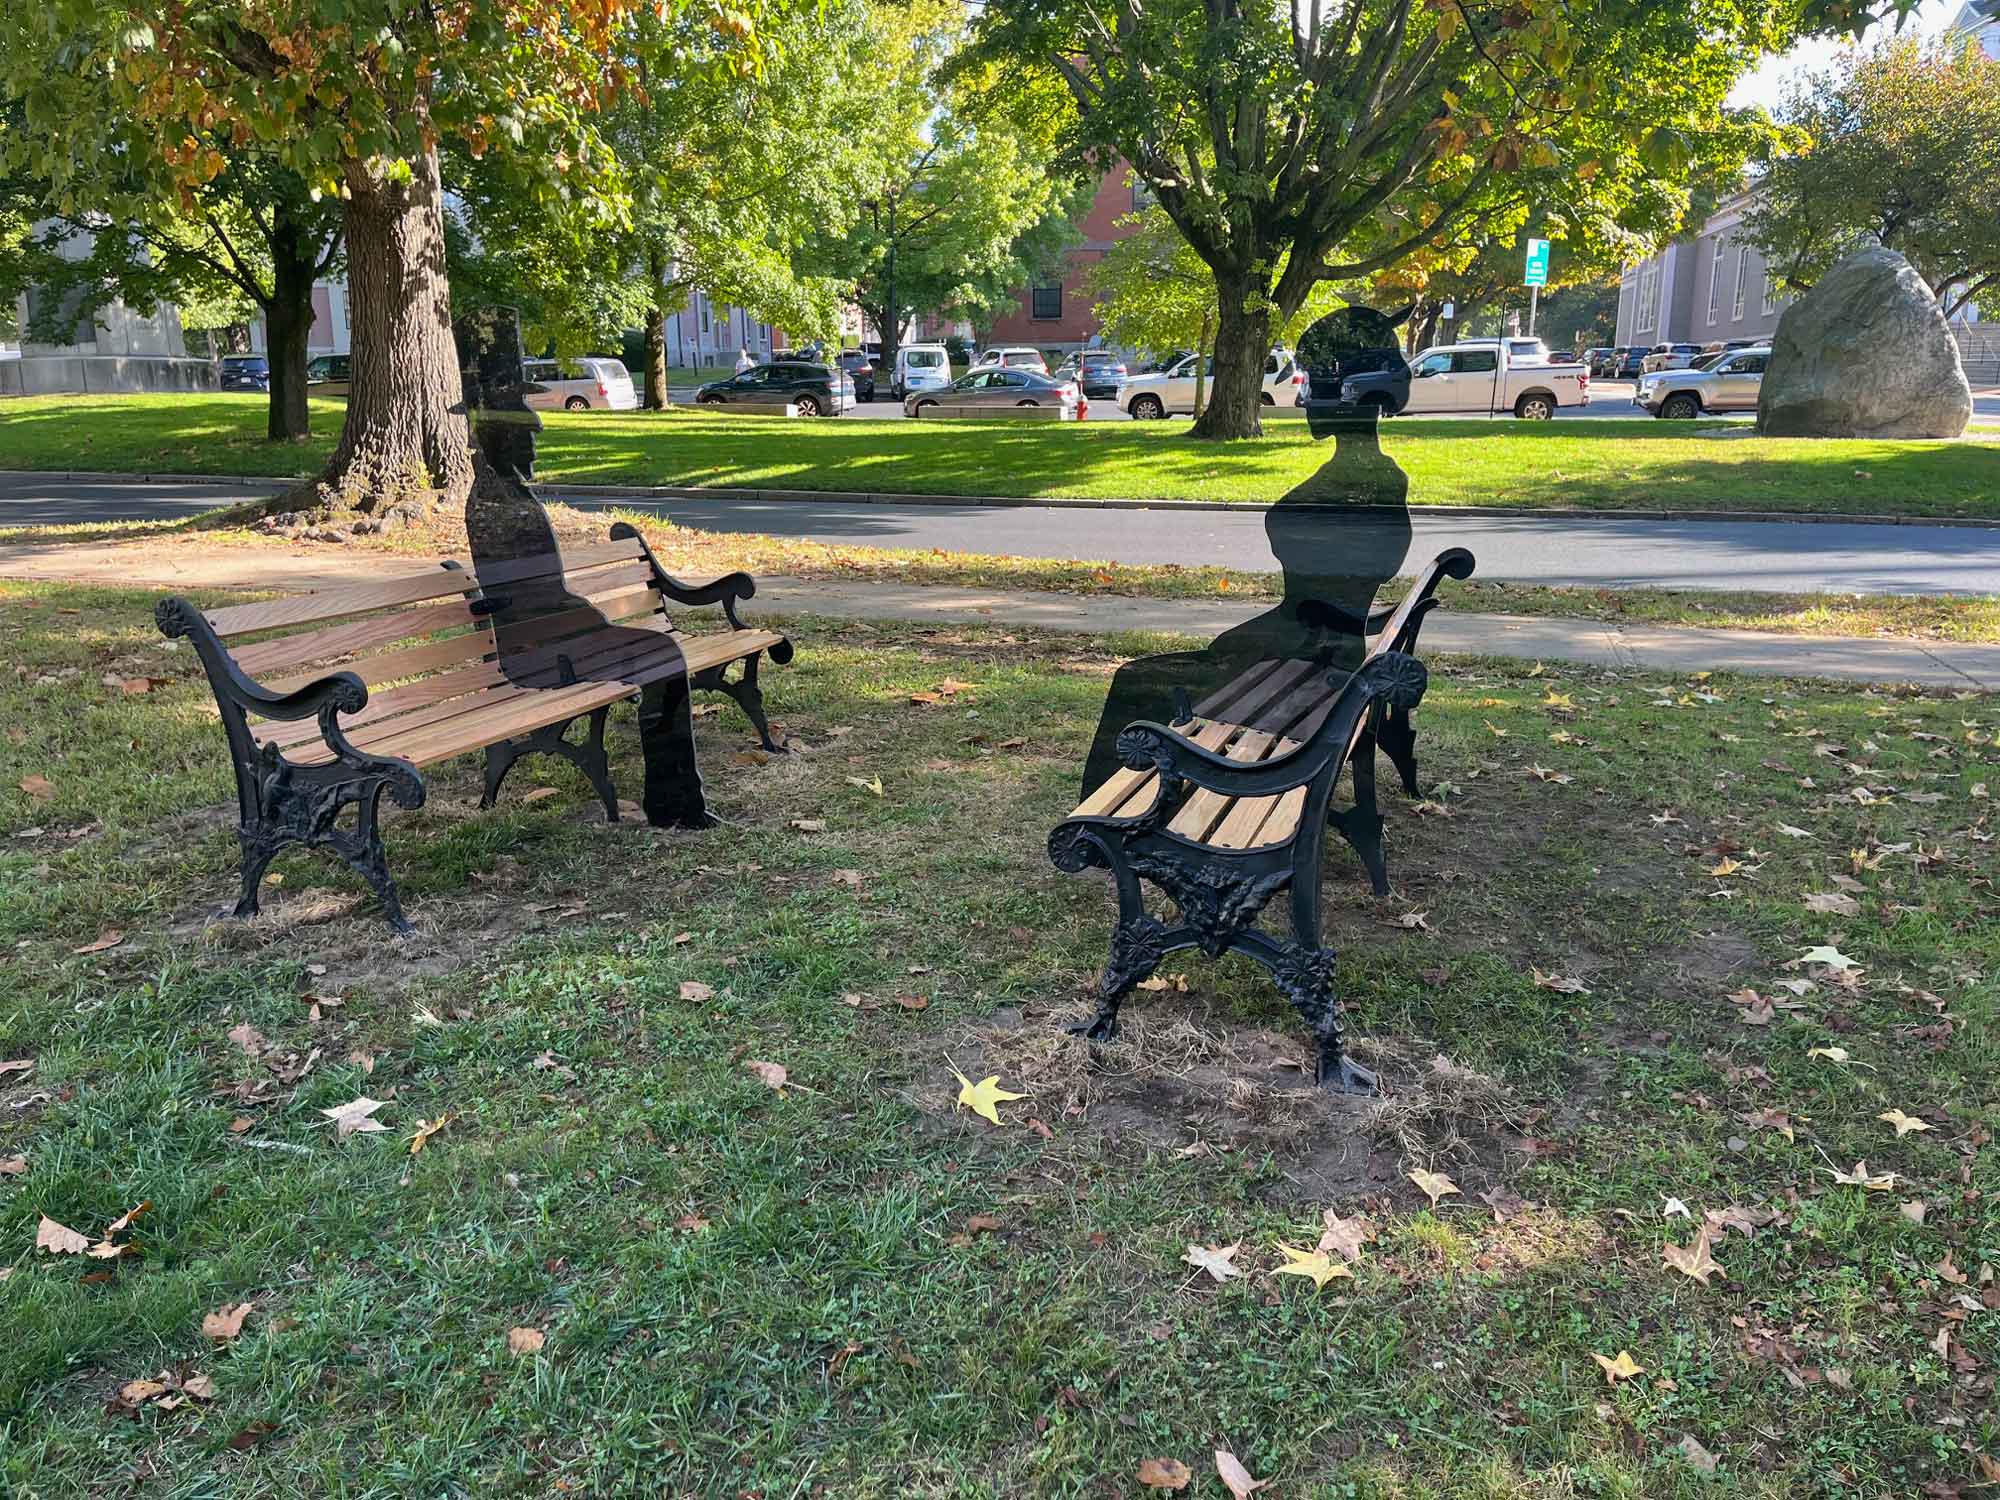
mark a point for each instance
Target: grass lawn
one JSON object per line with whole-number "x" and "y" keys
{"x": 852, "y": 1287}
{"x": 1592, "y": 464}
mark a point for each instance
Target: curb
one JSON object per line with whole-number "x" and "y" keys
{"x": 1045, "y": 502}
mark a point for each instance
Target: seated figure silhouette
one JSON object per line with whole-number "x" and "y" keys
{"x": 547, "y": 636}
{"x": 1338, "y": 536}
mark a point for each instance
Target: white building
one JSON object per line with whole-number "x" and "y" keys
{"x": 116, "y": 350}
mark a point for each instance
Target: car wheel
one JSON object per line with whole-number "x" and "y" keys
{"x": 1681, "y": 407}
{"x": 1027, "y": 403}
{"x": 1148, "y": 408}
{"x": 808, "y": 405}
{"x": 1264, "y": 399}
{"x": 1535, "y": 408}
{"x": 576, "y": 403}
{"x": 708, "y": 401}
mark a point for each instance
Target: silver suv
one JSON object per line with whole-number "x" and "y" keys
{"x": 1731, "y": 382}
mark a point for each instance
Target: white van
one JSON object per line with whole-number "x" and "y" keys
{"x": 580, "y": 384}
{"x": 921, "y": 367}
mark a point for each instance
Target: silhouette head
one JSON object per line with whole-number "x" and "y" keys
{"x": 1349, "y": 341}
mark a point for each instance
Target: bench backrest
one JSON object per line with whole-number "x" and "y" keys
{"x": 402, "y": 629}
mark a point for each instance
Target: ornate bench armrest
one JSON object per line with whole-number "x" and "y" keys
{"x": 339, "y": 692}
{"x": 726, "y": 590}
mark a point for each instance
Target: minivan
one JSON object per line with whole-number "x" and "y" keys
{"x": 580, "y": 384}
{"x": 329, "y": 374}
{"x": 921, "y": 367}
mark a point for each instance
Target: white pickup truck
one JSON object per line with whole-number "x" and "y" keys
{"x": 1474, "y": 379}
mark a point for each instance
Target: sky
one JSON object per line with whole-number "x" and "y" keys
{"x": 1766, "y": 84}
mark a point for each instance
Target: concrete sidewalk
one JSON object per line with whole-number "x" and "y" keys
{"x": 1635, "y": 647}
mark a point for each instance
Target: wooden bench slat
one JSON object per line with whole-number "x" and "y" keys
{"x": 338, "y": 604}
{"x": 397, "y": 665}
{"x": 1225, "y": 702}
{"x": 288, "y": 651}
{"x": 1247, "y": 824}
{"x": 1125, "y": 785}
{"x": 548, "y": 564}
{"x": 1204, "y": 808}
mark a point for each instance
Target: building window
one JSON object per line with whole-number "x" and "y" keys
{"x": 1649, "y": 297}
{"x": 1715, "y": 279}
{"x": 1047, "y": 304}
{"x": 704, "y": 314}
{"x": 1770, "y": 293}
{"x": 1742, "y": 281}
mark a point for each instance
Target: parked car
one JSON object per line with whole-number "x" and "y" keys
{"x": 580, "y": 384}
{"x": 1474, "y": 378}
{"x": 329, "y": 374}
{"x": 1668, "y": 357}
{"x": 1097, "y": 373}
{"x": 1731, "y": 383}
{"x": 920, "y": 367}
{"x": 1596, "y": 359}
{"x": 1565, "y": 357}
{"x": 1172, "y": 390}
{"x": 817, "y": 390}
{"x": 1013, "y": 357}
{"x": 994, "y": 385}
{"x": 1631, "y": 364}
{"x": 860, "y": 369}
{"x": 246, "y": 372}
{"x": 1723, "y": 346}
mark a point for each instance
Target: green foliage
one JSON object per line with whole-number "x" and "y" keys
{"x": 963, "y": 207}
{"x": 1325, "y": 142}
{"x": 1901, "y": 145}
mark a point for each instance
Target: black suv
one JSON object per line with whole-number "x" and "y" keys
{"x": 861, "y": 370}
{"x": 246, "y": 372}
{"x": 817, "y": 390}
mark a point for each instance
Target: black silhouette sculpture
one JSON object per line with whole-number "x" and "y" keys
{"x": 1338, "y": 536}
{"x": 545, "y": 635}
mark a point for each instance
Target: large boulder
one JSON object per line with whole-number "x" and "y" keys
{"x": 1865, "y": 353}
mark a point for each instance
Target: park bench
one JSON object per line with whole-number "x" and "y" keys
{"x": 293, "y": 677}
{"x": 1229, "y": 806}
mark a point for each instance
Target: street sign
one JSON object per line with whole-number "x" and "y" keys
{"x": 1538, "y": 264}
{"x": 1450, "y": 311}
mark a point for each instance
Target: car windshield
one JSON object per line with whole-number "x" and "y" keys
{"x": 1704, "y": 361}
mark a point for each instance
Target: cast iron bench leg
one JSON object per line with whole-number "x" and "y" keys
{"x": 1399, "y": 742}
{"x": 749, "y": 697}
{"x": 588, "y": 757}
{"x": 294, "y": 810}
{"x": 1304, "y": 971}
{"x": 1361, "y": 824}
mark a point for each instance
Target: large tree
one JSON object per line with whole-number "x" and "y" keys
{"x": 1900, "y": 145}
{"x": 356, "y": 97}
{"x": 967, "y": 204}
{"x": 1329, "y": 139}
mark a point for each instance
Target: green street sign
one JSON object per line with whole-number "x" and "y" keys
{"x": 1538, "y": 264}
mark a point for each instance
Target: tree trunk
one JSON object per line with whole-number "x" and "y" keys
{"x": 406, "y": 428}
{"x": 1242, "y": 341}
{"x": 288, "y": 319}
{"x": 889, "y": 326}
{"x": 1201, "y": 367}
{"x": 655, "y": 398}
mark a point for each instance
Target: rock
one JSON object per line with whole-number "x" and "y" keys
{"x": 1865, "y": 353}
{"x": 365, "y": 528}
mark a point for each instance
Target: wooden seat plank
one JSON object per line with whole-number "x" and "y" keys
{"x": 1205, "y": 808}
{"x": 1243, "y": 826}
{"x": 1123, "y": 786}
{"x": 288, "y": 651}
{"x": 568, "y": 560}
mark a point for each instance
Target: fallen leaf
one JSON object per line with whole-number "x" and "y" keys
{"x": 426, "y": 1129}
{"x": 982, "y": 1097}
{"x": 201, "y": 1387}
{"x": 691, "y": 1223}
{"x": 525, "y": 1340}
{"x": 1833, "y": 902}
{"x": 59, "y": 1239}
{"x": 695, "y": 990}
{"x": 1434, "y": 1185}
{"x": 1674, "y": 1206}
{"x": 225, "y": 1323}
{"x": 1314, "y": 1263}
{"x": 1695, "y": 1454}
{"x": 983, "y": 1224}
{"x": 39, "y": 787}
{"x": 124, "y": 1221}
{"x": 1794, "y": 833}
{"x": 1235, "y": 1478}
{"x": 21, "y": 1065}
{"x": 1861, "y": 1177}
{"x": 1345, "y": 1235}
{"x": 1913, "y": 1210}
{"x": 111, "y": 937}
{"x": 1621, "y": 1368}
{"x": 240, "y": 1124}
{"x": 1833, "y": 958}
{"x": 1164, "y": 1474}
{"x": 1693, "y": 1260}
{"x": 872, "y": 785}
{"x": 249, "y": 1038}
{"x": 1726, "y": 867}
{"x": 1159, "y": 983}
{"x": 354, "y": 1116}
{"x": 809, "y": 825}
{"x": 1415, "y": 921}
{"x": 13, "y": 1166}
{"x": 252, "y": 1435}
{"x": 138, "y": 1392}
{"x": 913, "y": 1002}
{"x": 1558, "y": 982}
{"x": 773, "y": 1075}
{"x": 1217, "y": 1260}
{"x": 1904, "y": 1123}
{"x": 540, "y": 792}
{"x": 1831, "y": 1054}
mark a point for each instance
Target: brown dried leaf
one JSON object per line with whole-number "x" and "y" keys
{"x": 695, "y": 990}
{"x": 39, "y": 787}
{"x": 540, "y": 792}
{"x": 13, "y": 1166}
{"x": 225, "y": 1323}
{"x": 1433, "y": 1185}
{"x": 59, "y": 1239}
{"x": 525, "y": 1340}
{"x": 111, "y": 937}
{"x": 1216, "y": 1260}
{"x": 1833, "y": 902}
{"x": 773, "y": 1075}
{"x": 248, "y": 1038}
{"x": 355, "y": 1115}
{"x": 426, "y": 1129}
{"x": 1164, "y": 1474}
{"x": 1693, "y": 1260}
{"x": 1235, "y": 1478}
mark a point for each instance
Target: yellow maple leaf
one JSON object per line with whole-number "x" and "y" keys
{"x": 981, "y": 1097}
{"x": 1621, "y": 1368}
{"x": 1727, "y": 867}
{"x": 1861, "y": 1177}
{"x": 425, "y": 1130}
{"x": 1904, "y": 1123}
{"x": 1313, "y": 1263}
{"x": 1693, "y": 1260}
{"x": 1434, "y": 1185}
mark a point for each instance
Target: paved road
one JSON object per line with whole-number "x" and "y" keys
{"x": 1808, "y": 556}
